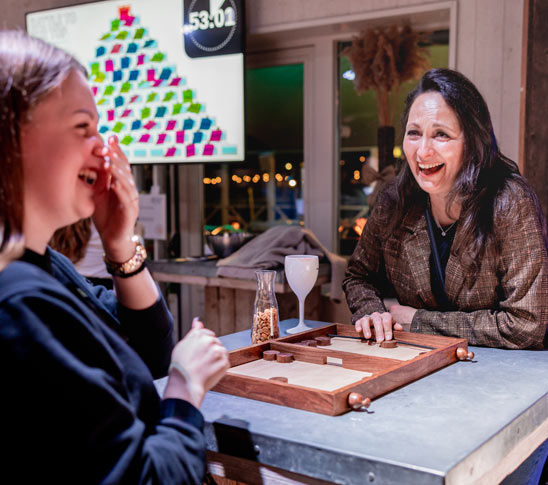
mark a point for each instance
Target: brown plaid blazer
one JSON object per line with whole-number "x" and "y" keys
{"x": 507, "y": 304}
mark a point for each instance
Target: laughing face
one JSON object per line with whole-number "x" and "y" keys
{"x": 59, "y": 144}
{"x": 433, "y": 145}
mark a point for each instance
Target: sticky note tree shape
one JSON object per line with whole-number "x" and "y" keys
{"x": 144, "y": 100}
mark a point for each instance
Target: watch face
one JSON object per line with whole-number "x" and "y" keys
{"x": 212, "y": 27}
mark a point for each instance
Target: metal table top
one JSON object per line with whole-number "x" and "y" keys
{"x": 449, "y": 427}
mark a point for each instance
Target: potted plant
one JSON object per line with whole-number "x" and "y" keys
{"x": 383, "y": 59}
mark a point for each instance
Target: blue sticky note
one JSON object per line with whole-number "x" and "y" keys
{"x": 188, "y": 124}
{"x": 103, "y": 129}
{"x": 197, "y": 138}
{"x": 205, "y": 124}
{"x": 136, "y": 125}
{"x": 149, "y": 43}
{"x": 132, "y": 47}
{"x": 166, "y": 72}
{"x": 160, "y": 112}
{"x": 100, "y": 51}
{"x": 125, "y": 62}
{"x": 118, "y": 101}
{"x": 117, "y": 76}
{"x": 133, "y": 75}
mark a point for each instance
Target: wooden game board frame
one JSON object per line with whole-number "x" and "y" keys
{"x": 387, "y": 374}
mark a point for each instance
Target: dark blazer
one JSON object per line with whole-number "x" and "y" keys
{"x": 505, "y": 306}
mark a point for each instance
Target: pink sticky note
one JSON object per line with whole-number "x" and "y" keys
{"x": 129, "y": 21}
{"x": 208, "y": 150}
{"x": 94, "y": 90}
{"x": 171, "y": 124}
{"x": 180, "y": 137}
{"x": 134, "y": 98}
{"x": 126, "y": 113}
{"x": 150, "y": 74}
{"x": 116, "y": 48}
{"x": 216, "y": 135}
{"x": 190, "y": 150}
{"x": 140, "y": 59}
{"x": 109, "y": 65}
{"x": 175, "y": 81}
{"x": 144, "y": 138}
{"x": 170, "y": 152}
{"x": 161, "y": 138}
{"x": 158, "y": 82}
{"x": 110, "y": 114}
{"x": 151, "y": 124}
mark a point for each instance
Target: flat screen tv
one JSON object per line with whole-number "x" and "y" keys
{"x": 167, "y": 75}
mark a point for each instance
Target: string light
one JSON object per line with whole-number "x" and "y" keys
{"x": 288, "y": 166}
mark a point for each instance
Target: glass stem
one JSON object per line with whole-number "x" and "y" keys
{"x": 301, "y": 311}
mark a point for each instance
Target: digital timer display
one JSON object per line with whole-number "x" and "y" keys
{"x": 212, "y": 27}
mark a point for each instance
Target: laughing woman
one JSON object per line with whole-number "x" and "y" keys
{"x": 79, "y": 402}
{"x": 459, "y": 239}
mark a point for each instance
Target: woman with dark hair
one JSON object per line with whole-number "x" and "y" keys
{"x": 459, "y": 239}
{"x": 80, "y": 405}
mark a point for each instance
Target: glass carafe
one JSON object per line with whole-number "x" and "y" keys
{"x": 265, "y": 309}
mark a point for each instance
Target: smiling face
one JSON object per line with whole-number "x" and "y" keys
{"x": 60, "y": 167}
{"x": 433, "y": 145}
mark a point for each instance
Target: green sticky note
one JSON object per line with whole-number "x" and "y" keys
{"x": 115, "y": 25}
{"x": 105, "y": 37}
{"x": 157, "y": 57}
{"x": 168, "y": 96}
{"x": 126, "y": 140}
{"x": 145, "y": 113}
{"x": 125, "y": 88}
{"x": 195, "y": 107}
{"x": 139, "y": 33}
{"x": 187, "y": 96}
{"x": 109, "y": 90}
{"x": 95, "y": 68}
{"x": 151, "y": 97}
{"x": 101, "y": 101}
{"x": 100, "y": 77}
{"x": 122, "y": 35}
{"x": 177, "y": 108}
{"x": 118, "y": 127}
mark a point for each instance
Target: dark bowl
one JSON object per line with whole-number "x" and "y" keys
{"x": 225, "y": 244}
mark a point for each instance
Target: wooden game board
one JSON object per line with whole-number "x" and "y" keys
{"x": 344, "y": 375}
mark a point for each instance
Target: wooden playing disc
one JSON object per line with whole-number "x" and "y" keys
{"x": 389, "y": 344}
{"x": 323, "y": 341}
{"x": 270, "y": 354}
{"x": 278, "y": 378}
{"x": 284, "y": 357}
{"x": 310, "y": 343}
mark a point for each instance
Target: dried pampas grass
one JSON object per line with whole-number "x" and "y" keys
{"x": 382, "y": 60}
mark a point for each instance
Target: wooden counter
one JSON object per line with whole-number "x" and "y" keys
{"x": 229, "y": 301}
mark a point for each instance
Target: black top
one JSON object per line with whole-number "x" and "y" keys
{"x": 441, "y": 245}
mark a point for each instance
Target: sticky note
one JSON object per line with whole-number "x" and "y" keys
{"x": 115, "y": 25}
{"x": 144, "y": 138}
{"x": 151, "y": 97}
{"x": 139, "y": 33}
{"x": 197, "y": 138}
{"x": 118, "y": 127}
{"x": 180, "y": 136}
{"x": 116, "y": 48}
{"x": 125, "y": 61}
{"x": 157, "y": 57}
{"x": 161, "y": 138}
{"x": 100, "y": 51}
{"x": 125, "y": 88}
{"x": 187, "y": 96}
{"x": 215, "y": 135}
{"x": 132, "y": 47}
{"x": 140, "y": 59}
{"x": 122, "y": 35}
{"x": 166, "y": 72}
{"x": 175, "y": 81}
{"x": 171, "y": 125}
{"x": 195, "y": 108}
{"x": 151, "y": 124}
{"x": 126, "y": 140}
{"x": 145, "y": 113}
{"x": 134, "y": 75}
{"x": 188, "y": 124}
{"x": 208, "y": 149}
{"x": 170, "y": 152}
{"x": 205, "y": 124}
{"x": 94, "y": 90}
{"x": 109, "y": 65}
{"x": 110, "y": 115}
{"x": 126, "y": 113}
{"x": 160, "y": 112}
{"x": 103, "y": 129}
{"x": 190, "y": 150}
{"x": 109, "y": 90}
{"x": 94, "y": 67}
{"x": 168, "y": 96}
{"x": 118, "y": 101}
{"x": 100, "y": 77}
{"x": 176, "y": 108}
{"x": 136, "y": 125}
{"x": 117, "y": 76}
{"x": 151, "y": 74}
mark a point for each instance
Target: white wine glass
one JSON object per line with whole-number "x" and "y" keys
{"x": 301, "y": 272}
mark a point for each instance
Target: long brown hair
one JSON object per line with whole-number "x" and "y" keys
{"x": 72, "y": 240}
{"x": 29, "y": 70}
{"x": 485, "y": 171}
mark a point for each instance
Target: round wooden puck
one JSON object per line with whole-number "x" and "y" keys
{"x": 278, "y": 378}
{"x": 310, "y": 343}
{"x": 284, "y": 357}
{"x": 389, "y": 344}
{"x": 270, "y": 354}
{"x": 323, "y": 341}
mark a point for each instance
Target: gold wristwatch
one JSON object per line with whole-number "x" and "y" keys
{"x": 133, "y": 265}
